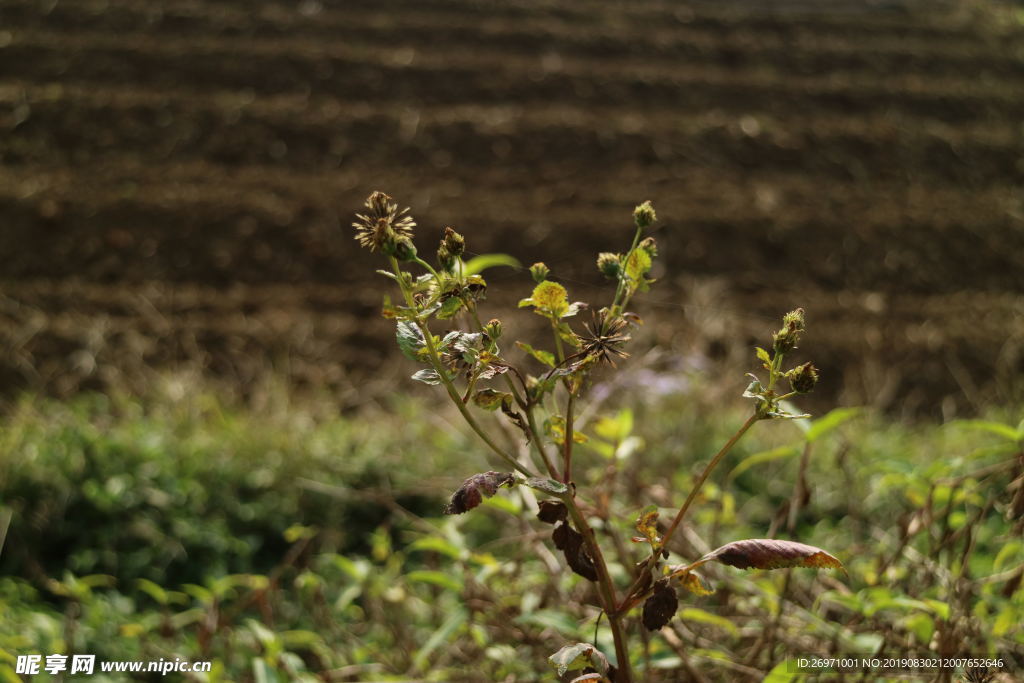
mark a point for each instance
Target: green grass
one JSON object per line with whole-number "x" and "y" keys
{"x": 286, "y": 541}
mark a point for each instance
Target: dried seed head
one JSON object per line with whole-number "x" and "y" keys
{"x": 383, "y": 224}
{"x": 803, "y": 378}
{"x": 609, "y": 264}
{"x": 453, "y": 242}
{"x": 644, "y": 215}
{"x": 540, "y": 272}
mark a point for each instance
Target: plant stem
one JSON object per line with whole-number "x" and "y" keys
{"x": 532, "y": 424}
{"x": 522, "y": 402}
{"x": 633, "y": 598}
{"x": 569, "y": 440}
{"x": 605, "y": 588}
{"x": 453, "y": 393}
{"x": 621, "y": 288}
{"x": 704, "y": 477}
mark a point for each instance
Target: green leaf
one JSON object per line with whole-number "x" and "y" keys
{"x": 762, "y": 355}
{"x": 615, "y": 428}
{"x": 555, "y": 488}
{"x": 427, "y": 376}
{"x": 921, "y": 625}
{"x": 450, "y": 308}
{"x": 557, "y": 621}
{"x": 479, "y": 264}
{"x": 830, "y": 421}
{"x": 545, "y": 357}
{"x": 436, "y": 578}
{"x": 699, "y": 615}
{"x": 571, "y": 658}
{"x": 443, "y": 634}
{"x": 410, "y": 339}
{"x": 762, "y": 457}
{"x": 1012, "y": 549}
{"x": 438, "y": 545}
{"x": 153, "y": 590}
{"x": 637, "y": 265}
{"x": 997, "y": 428}
{"x": 781, "y": 673}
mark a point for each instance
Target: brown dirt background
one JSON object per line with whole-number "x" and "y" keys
{"x": 177, "y": 179}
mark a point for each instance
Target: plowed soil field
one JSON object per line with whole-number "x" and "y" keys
{"x": 177, "y": 178}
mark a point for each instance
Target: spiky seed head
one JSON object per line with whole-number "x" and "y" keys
{"x": 383, "y": 224}
{"x": 644, "y": 215}
{"x": 454, "y": 242}
{"x": 803, "y": 378}
{"x": 609, "y": 264}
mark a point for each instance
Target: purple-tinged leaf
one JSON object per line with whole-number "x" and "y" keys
{"x": 475, "y": 489}
{"x": 767, "y": 553}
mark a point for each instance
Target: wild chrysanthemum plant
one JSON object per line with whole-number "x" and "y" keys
{"x": 479, "y": 377}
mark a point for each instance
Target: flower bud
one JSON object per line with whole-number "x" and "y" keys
{"x": 493, "y": 329}
{"x": 785, "y": 340}
{"x": 644, "y": 215}
{"x": 540, "y": 272}
{"x": 650, "y": 246}
{"x": 803, "y": 378}
{"x": 445, "y": 259}
{"x": 609, "y": 264}
{"x": 404, "y": 249}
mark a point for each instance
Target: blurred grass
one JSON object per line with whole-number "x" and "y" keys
{"x": 283, "y": 540}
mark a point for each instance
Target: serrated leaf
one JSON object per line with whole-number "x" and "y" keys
{"x": 479, "y": 264}
{"x": 763, "y": 356}
{"x": 551, "y": 486}
{"x": 571, "y": 658}
{"x": 410, "y": 339}
{"x": 828, "y": 422}
{"x": 475, "y": 489}
{"x": 545, "y": 357}
{"x": 768, "y": 553}
{"x": 427, "y": 376}
{"x": 450, "y": 308}
{"x": 637, "y": 265}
